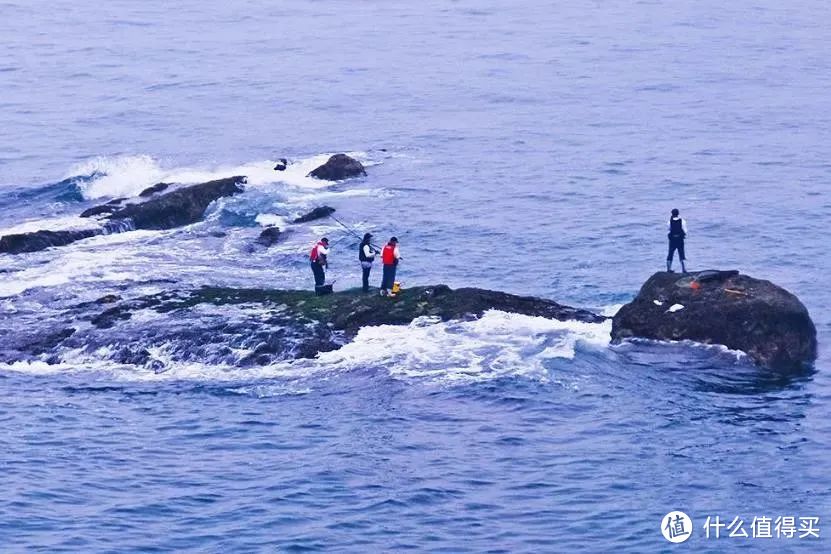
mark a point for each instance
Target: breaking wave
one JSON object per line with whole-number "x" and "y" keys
{"x": 497, "y": 345}
{"x": 126, "y": 176}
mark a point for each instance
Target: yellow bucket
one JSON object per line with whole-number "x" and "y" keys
{"x": 396, "y": 287}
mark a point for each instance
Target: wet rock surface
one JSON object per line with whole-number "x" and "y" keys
{"x": 166, "y": 207}
{"x": 317, "y": 213}
{"x": 755, "y": 316}
{"x": 41, "y": 240}
{"x": 162, "y": 206}
{"x": 250, "y": 327}
{"x": 269, "y": 237}
{"x": 339, "y": 167}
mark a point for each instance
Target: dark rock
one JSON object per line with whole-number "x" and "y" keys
{"x": 757, "y": 317}
{"x": 338, "y": 167}
{"x": 108, "y": 299}
{"x": 99, "y": 210}
{"x": 301, "y": 324}
{"x": 317, "y": 213}
{"x": 41, "y": 240}
{"x": 269, "y": 236}
{"x": 110, "y": 317}
{"x": 180, "y": 206}
{"x": 110, "y": 207}
{"x": 131, "y": 354}
{"x": 50, "y": 340}
{"x": 350, "y": 311}
{"x": 158, "y": 187}
{"x": 282, "y": 164}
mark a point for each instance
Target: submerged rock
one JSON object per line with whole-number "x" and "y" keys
{"x": 282, "y": 164}
{"x": 757, "y": 317}
{"x": 269, "y": 236}
{"x": 339, "y": 167}
{"x": 318, "y": 213}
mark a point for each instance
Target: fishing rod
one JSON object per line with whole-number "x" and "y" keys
{"x": 352, "y": 232}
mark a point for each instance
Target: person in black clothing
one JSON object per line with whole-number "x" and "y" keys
{"x": 677, "y": 228}
{"x": 366, "y": 254}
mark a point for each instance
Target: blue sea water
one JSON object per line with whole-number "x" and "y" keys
{"x": 530, "y": 147}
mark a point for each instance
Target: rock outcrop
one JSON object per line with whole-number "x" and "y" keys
{"x": 317, "y": 213}
{"x": 288, "y": 324}
{"x": 757, "y": 317}
{"x": 166, "y": 207}
{"x": 162, "y": 206}
{"x": 269, "y": 236}
{"x": 339, "y": 167}
{"x": 36, "y": 241}
{"x": 41, "y": 240}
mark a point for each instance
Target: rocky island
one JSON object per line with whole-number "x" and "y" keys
{"x": 755, "y": 316}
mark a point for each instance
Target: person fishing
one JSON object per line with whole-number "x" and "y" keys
{"x": 366, "y": 255}
{"x": 677, "y": 228}
{"x": 319, "y": 261}
{"x": 390, "y": 256}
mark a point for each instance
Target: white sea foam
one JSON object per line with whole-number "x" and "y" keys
{"x": 50, "y": 224}
{"x": 739, "y": 355}
{"x": 498, "y": 344}
{"x": 85, "y": 260}
{"x": 610, "y": 310}
{"x": 126, "y": 176}
{"x": 495, "y": 345}
{"x": 267, "y": 220}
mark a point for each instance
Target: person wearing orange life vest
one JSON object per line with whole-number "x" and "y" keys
{"x": 390, "y": 256}
{"x": 318, "y": 261}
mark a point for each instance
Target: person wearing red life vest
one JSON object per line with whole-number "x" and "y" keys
{"x": 390, "y": 256}
{"x": 318, "y": 261}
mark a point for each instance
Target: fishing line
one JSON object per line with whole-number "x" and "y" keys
{"x": 352, "y": 231}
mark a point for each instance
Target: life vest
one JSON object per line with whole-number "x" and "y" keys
{"x": 315, "y": 255}
{"x": 676, "y": 228}
{"x": 361, "y": 256}
{"x": 388, "y": 255}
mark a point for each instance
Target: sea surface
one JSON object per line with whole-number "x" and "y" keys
{"x": 531, "y": 147}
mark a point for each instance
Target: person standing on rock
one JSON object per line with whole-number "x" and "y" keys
{"x": 390, "y": 256}
{"x": 318, "y": 260}
{"x": 366, "y": 255}
{"x": 677, "y": 228}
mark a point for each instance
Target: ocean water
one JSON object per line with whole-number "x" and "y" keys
{"x": 530, "y": 147}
